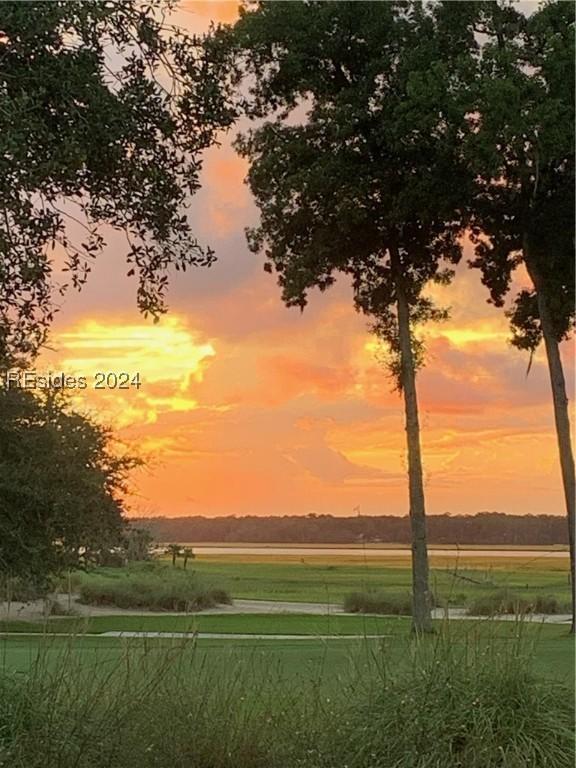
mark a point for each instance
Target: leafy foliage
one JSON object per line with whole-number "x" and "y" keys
{"x": 521, "y": 148}
{"x": 366, "y": 183}
{"x": 104, "y": 112}
{"x": 370, "y": 168}
{"x": 61, "y": 486}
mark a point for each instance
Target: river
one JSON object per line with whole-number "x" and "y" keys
{"x": 369, "y": 551}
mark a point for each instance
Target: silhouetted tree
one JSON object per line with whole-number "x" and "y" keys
{"x": 174, "y": 550}
{"x": 366, "y": 184}
{"x": 521, "y": 151}
{"x": 187, "y": 554}
{"x": 137, "y": 543}
{"x": 62, "y": 486}
{"x": 104, "y": 113}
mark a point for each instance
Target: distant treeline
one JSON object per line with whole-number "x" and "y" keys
{"x": 482, "y": 528}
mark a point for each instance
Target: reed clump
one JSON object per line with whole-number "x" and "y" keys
{"x": 161, "y": 705}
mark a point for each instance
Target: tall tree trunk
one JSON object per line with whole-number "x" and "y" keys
{"x": 421, "y": 599}
{"x": 561, "y": 417}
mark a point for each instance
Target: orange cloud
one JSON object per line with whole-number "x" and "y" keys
{"x": 249, "y": 407}
{"x": 133, "y": 372}
{"x": 215, "y": 10}
{"x": 289, "y": 376}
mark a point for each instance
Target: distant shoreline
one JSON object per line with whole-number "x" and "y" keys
{"x": 485, "y": 530}
{"x": 368, "y": 545}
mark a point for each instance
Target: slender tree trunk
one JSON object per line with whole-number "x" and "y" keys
{"x": 561, "y": 416}
{"x": 421, "y": 599}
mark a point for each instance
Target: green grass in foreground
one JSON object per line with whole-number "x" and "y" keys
{"x": 299, "y": 624}
{"x": 553, "y": 647}
{"x": 469, "y": 699}
{"x": 265, "y": 623}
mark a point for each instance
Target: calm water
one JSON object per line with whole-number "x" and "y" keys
{"x": 203, "y": 549}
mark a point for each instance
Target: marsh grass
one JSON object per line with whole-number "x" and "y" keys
{"x": 329, "y": 579}
{"x": 379, "y": 603}
{"x": 459, "y": 706}
{"x": 508, "y": 602}
{"x": 157, "y": 588}
{"x": 455, "y": 704}
{"x": 497, "y": 602}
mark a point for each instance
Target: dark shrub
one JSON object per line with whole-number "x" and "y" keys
{"x": 21, "y": 590}
{"x": 378, "y": 602}
{"x": 156, "y": 588}
{"x": 506, "y": 602}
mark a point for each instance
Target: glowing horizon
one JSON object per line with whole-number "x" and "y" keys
{"x": 248, "y": 407}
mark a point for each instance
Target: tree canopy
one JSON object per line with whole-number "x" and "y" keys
{"x": 105, "y": 110}
{"x": 521, "y": 149}
{"x": 362, "y": 168}
{"x": 62, "y": 485}
{"x": 355, "y": 170}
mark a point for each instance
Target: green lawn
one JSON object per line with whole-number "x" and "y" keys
{"x": 552, "y": 647}
{"x": 273, "y": 624}
{"x": 156, "y": 701}
{"x": 321, "y": 579}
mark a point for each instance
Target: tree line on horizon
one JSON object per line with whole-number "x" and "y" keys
{"x": 383, "y": 134}
{"x": 488, "y": 528}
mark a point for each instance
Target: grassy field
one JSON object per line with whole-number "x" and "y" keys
{"x": 265, "y": 623}
{"x": 478, "y": 693}
{"x": 300, "y": 624}
{"x": 553, "y": 648}
{"x": 324, "y": 578}
{"x": 315, "y": 579}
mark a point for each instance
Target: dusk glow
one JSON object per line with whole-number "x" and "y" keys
{"x": 248, "y": 407}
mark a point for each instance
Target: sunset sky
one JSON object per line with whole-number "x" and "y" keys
{"x": 247, "y": 407}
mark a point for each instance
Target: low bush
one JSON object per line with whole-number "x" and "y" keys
{"x": 18, "y": 590}
{"x": 549, "y": 604}
{"x": 159, "y": 589}
{"x": 506, "y": 602}
{"x": 457, "y": 708}
{"x": 379, "y": 602}
{"x": 57, "y": 608}
{"x": 500, "y": 602}
{"x": 451, "y": 600}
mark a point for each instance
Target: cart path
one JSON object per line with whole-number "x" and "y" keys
{"x": 35, "y": 611}
{"x": 129, "y": 634}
